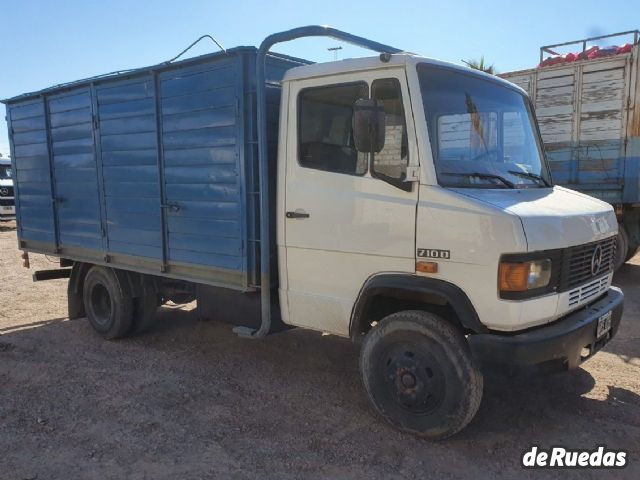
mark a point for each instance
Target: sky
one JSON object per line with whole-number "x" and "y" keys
{"x": 43, "y": 43}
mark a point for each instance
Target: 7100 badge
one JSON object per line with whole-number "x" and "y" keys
{"x": 434, "y": 253}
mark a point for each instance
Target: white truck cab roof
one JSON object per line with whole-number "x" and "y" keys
{"x": 376, "y": 63}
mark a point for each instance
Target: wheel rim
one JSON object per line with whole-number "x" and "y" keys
{"x": 413, "y": 378}
{"x": 101, "y": 304}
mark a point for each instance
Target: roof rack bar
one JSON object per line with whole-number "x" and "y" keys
{"x": 263, "y": 166}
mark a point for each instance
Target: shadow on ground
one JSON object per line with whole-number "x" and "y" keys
{"x": 190, "y": 398}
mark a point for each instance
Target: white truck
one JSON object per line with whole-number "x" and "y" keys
{"x": 413, "y": 211}
{"x": 7, "y": 206}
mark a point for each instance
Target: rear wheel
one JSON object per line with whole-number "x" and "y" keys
{"x": 419, "y": 374}
{"x": 110, "y": 313}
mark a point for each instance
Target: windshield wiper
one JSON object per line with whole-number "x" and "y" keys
{"x": 533, "y": 176}
{"x": 482, "y": 175}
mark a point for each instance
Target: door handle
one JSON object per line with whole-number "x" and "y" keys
{"x": 297, "y": 214}
{"x": 171, "y": 206}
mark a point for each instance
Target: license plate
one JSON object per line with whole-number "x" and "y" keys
{"x": 4, "y": 209}
{"x": 604, "y": 325}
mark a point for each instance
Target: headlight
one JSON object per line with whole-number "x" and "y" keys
{"x": 524, "y": 276}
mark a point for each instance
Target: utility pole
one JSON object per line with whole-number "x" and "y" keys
{"x": 335, "y": 52}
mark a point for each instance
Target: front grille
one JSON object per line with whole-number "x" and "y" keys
{"x": 588, "y": 291}
{"x": 6, "y": 202}
{"x": 578, "y": 263}
{"x": 6, "y": 191}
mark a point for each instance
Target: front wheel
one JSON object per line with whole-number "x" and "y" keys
{"x": 419, "y": 374}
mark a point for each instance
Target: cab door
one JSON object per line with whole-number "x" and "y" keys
{"x": 347, "y": 215}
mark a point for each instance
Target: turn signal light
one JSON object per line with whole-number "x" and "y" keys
{"x": 427, "y": 267}
{"x": 513, "y": 277}
{"x": 523, "y": 276}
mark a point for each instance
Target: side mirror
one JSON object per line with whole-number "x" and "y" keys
{"x": 368, "y": 125}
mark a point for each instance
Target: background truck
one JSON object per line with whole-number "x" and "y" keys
{"x": 7, "y": 207}
{"x": 400, "y": 201}
{"x": 588, "y": 109}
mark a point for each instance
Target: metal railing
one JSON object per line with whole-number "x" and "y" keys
{"x": 584, "y": 41}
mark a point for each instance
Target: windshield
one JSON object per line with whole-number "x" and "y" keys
{"x": 482, "y": 133}
{"x": 5, "y": 172}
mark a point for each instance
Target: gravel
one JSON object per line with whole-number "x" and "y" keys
{"x": 190, "y": 400}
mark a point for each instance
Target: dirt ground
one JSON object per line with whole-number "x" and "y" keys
{"x": 190, "y": 400}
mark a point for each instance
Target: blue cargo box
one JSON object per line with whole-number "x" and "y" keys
{"x": 152, "y": 170}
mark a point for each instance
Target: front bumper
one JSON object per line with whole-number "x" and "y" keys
{"x": 7, "y": 211}
{"x": 561, "y": 345}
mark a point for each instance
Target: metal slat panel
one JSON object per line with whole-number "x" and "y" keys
{"x": 133, "y": 191}
{"x": 28, "y": 109}
{"x": 206, "y": 174}
{"x": 119, "y": 218}
{"x": 131, "y": 157}
{"x": 128, "y": 141}
{"x": 140, "y": 124}
{"x": 36, "y": 189}
{"x": 204, "y": 137}
{"x": 220, "y": 228}
{"x": 207, "y": 259}
{"x": 209, "y": 118}
{"x": 33, "y": 175}
{"x": 28, "y": 140}
{"x": 135, "y": 249}
{"x": 190, "y": 102}
{"x": 30, "y": 150}
{"x": 70, "y": 101}
{"x": 75, "y": 170}
{"x": 135, "y": 108}
{"x": 201, "y": 156}
{"x": 125, "y": 92}
{"x": 73, "y": 117}
{"x": 200, "y": 80}
{"x": 35, "y": 161}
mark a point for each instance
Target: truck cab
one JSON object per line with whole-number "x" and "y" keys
{"x": 7, "y": 205}
{"x": 460, "y": 186}
{"x": 451, "y": 214}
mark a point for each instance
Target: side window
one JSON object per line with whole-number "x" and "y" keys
{"x": 325, "y": 137}
{"x": 392, "y": 160}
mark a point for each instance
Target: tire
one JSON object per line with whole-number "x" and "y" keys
{"x": 144, "y": 313}
{"x": 622, "y": 247}
{"x": 110, "y": 313}
{"x": 419, "y": 374}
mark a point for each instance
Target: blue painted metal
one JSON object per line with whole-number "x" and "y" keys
{"x": 30, "y": 157}
{"x": 607, "y": 169}
{"x": 631, "y": 192}
{"x": 146, "y": 170}
{"x": 164, "y": 169}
